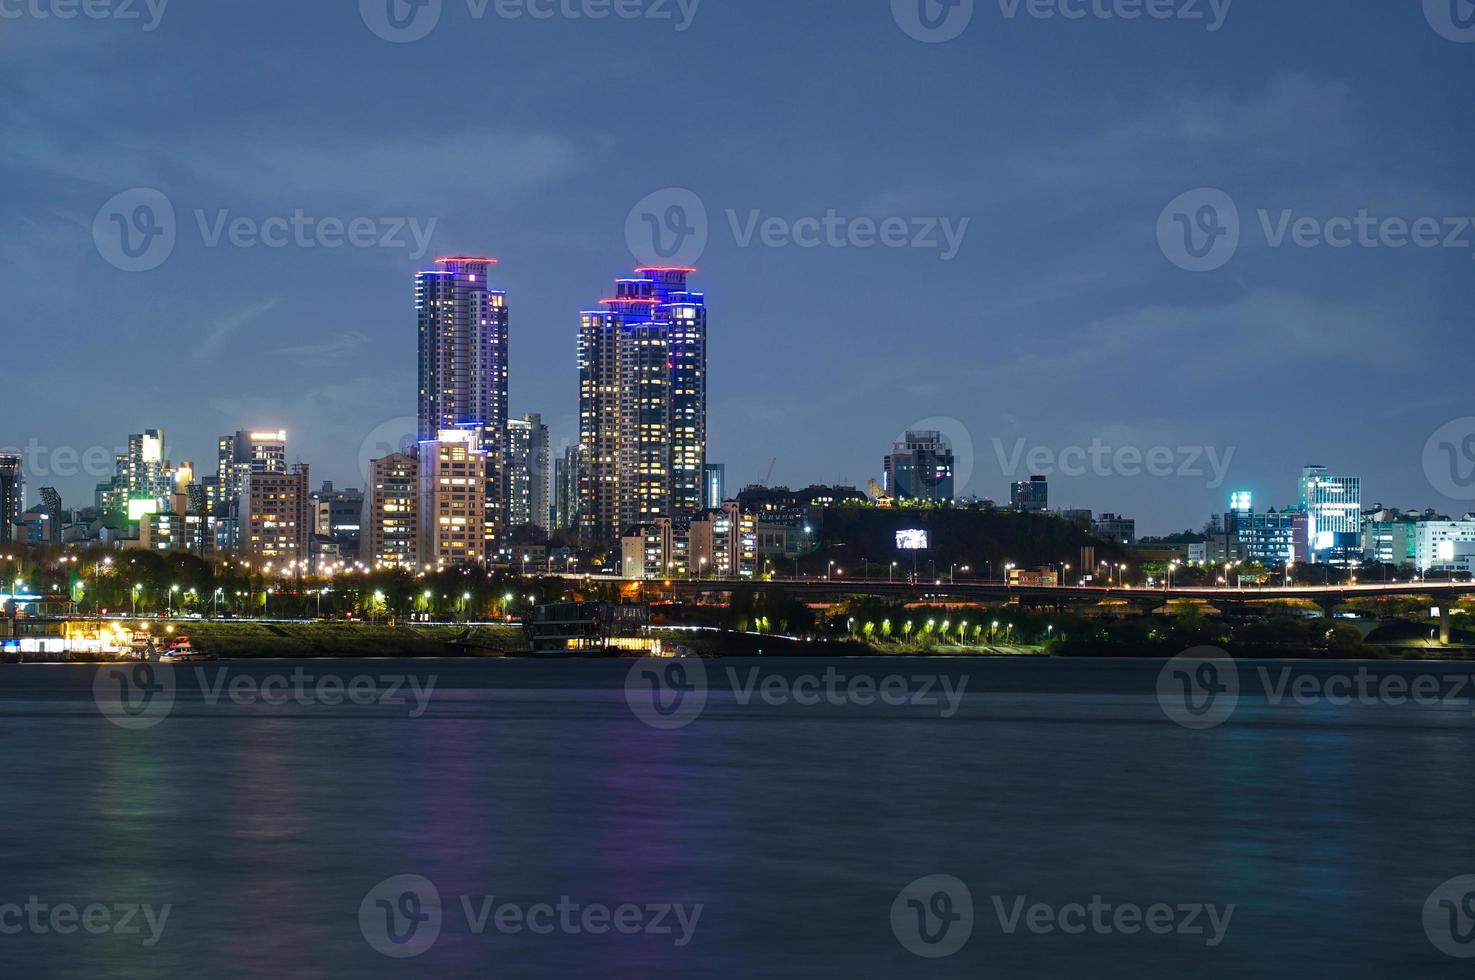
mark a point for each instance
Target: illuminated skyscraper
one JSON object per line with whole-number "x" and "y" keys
{"x": 463, "y": 367}
{"x": 452, "y": 504}
{"x": 391, "y": 524}
{"x": 527, "y": 472}
{"x": 642, "y": 404}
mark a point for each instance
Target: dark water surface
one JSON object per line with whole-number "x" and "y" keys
{"x": 265, "y": 828}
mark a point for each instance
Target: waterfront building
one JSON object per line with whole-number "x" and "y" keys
{"x": 527, "y": 490}
{"x": 463, "y": 338}
{"x": 1445, "y": 545}
{"x": 391, "y": 521}
{"x": 1333, "y": 509}
{"x": 452, "y": 502}
{"x": 642, "y": 404}
{"x": 275, "y": 515}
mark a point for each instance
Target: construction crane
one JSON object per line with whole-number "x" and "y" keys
{"x": 768, "y": 480}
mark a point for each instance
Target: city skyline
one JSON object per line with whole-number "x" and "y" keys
{"x": 1057, "y": 321}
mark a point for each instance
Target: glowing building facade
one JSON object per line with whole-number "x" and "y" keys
{"x": 642, "y": 404}
{"x": 464, "y": 328}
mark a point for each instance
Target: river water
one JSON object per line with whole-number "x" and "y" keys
{"x": 1026, "y": 818}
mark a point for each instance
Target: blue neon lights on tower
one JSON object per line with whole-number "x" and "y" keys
{"x": 642, "y": 403}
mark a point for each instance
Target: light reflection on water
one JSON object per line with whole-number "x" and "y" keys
{"x": 793, "y": 827}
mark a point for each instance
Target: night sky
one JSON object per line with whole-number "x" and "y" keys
{"x": 1061, "y": 321}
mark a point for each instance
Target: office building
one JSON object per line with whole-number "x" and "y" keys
{"x": 1333, "y": 509}
{"x": 1116, "y": 528}
{"x": 452, "y": 501}
{"x": 391, "y": 521}
{"x": 528, "y": 479}
{"x": 1267, "y": 538}
{"x": 12, "y": 496}
{"x": 239, "y": 455}
{"x": 464, "y": 327}
{"x": 642, "y": 404}
{"x": 275, "y": 516}
{"x": 1444, "y": 545}
{"x": 920, "y": 468}
{"x": 1031, "y": 496}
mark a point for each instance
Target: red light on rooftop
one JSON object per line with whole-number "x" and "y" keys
{"x": 662, "y": 268}
{"x": 467, "y": 260}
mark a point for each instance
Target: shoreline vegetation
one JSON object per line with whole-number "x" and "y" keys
{"x": 1288, "y": 639}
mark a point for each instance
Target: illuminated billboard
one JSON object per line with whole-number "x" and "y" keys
{"x": 139, "y": 509}
{"x": 913, "y": 540}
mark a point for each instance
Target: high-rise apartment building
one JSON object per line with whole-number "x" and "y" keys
{"x": 452, "y": 504}
{"x": 391, "y": 522}
{"x": 642, "y": 404}
{"x": 528, "y": 479}
{"x": 275, "y": 515}
{"x": 464, "y": 327}
{"x": 920, "y": 468}
{"x": 566, "y": 489}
